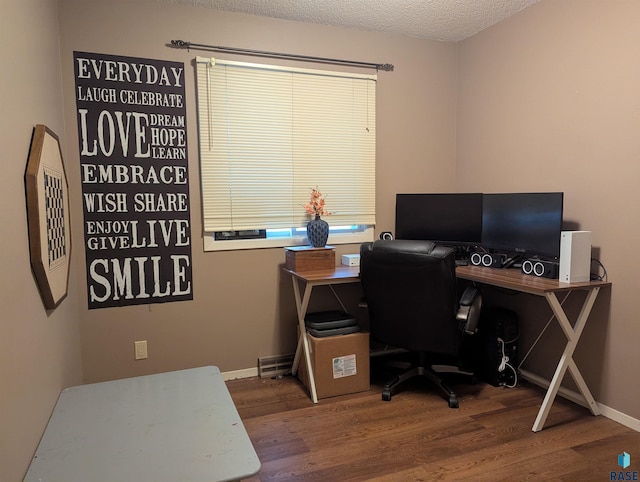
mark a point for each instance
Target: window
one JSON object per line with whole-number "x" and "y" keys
{"x": 268, "y": 135}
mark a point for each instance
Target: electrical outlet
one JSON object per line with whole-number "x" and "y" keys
{"x": 141, "y": 349}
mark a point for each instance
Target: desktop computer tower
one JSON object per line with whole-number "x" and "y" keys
{"x": 495, "y": 352}
{"x": 575, "y": 256}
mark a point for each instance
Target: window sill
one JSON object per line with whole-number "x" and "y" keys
{"x": 233, "y": 245}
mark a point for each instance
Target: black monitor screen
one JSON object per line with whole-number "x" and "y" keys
{"x": 445, "y": 218}
{"x": 523, "y": 222}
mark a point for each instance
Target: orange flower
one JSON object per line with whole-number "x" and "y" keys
{"x": 315, "y": 205}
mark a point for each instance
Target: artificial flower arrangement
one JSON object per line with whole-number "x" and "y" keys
{"x": 315, "y": 205}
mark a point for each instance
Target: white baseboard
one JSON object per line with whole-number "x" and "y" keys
{"x": 613, "y": 414}
{"x": 235, "y": 374}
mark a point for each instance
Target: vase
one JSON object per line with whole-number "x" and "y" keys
{"x": 318, "y": 232}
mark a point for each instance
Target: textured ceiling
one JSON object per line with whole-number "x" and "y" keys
{"x": 449, "y": 20}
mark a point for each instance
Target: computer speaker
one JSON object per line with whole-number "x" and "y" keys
{"x": 488, "y": 260}
{"x": 540, "y": 268}
{"x": 386, "y": 235}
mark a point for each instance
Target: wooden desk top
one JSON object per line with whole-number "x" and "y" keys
{"x": 340, "y": 274}
{"x": 514, "y": 279}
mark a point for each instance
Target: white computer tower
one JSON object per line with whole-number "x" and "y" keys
{"x": 575, "y": 256}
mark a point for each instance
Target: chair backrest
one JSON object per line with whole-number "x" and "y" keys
{"x": 410, "y": 289}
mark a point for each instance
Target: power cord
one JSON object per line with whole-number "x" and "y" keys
{"x": 504, "y": 364}
{"x": 596, "y": 276}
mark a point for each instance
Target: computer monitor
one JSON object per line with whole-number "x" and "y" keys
{"x": 447, "y": 218}
{"x": 526, "y": 223}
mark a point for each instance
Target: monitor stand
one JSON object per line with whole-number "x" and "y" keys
{"x": 513, "y": 261}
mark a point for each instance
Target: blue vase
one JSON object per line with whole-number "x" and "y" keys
{"x": 318, "y": 232}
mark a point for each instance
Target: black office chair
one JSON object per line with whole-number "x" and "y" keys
{"x": 411, "y": 293}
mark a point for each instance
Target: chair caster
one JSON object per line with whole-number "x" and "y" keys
{"x": 386, "y": 395}
{"x": 453, "y": 402}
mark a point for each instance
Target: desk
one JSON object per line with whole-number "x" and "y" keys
{"x": 547, "y": 288}
{"x": 503, "y": 278}
{"x": 176, "y": 426}
{"x": 311, "y": 279}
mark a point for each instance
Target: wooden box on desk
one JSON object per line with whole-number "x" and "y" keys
{"x": 340, "y": 364}
{"x": 308, "y": 258}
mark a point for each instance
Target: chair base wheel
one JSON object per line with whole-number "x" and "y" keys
{"x": 453, "y": 402}
{"x": 386, "y": 395}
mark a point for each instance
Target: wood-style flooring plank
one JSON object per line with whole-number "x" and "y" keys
{"x": 416, "y": 436}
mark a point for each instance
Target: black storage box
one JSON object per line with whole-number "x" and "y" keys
{"x": 330, "y": 323}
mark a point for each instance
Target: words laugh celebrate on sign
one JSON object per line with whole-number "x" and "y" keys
{"x": 131, "y": 97}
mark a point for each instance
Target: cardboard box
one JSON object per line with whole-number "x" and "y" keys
{"x": 340, "y": 364}
{"x": 307, "y": 258}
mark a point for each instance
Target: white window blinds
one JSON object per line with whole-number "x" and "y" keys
{"x": 269, "y": 134}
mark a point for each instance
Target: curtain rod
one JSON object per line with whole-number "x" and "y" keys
{"x": 181, "y": 44}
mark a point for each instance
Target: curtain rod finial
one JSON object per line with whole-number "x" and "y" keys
{"x": 386, "y": 67}
{"x": 180, "y": 44}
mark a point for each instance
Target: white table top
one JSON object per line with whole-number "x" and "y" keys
{"x": 177, "y": 427}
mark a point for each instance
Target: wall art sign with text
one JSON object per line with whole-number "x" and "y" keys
{"x": 135, "y": 181}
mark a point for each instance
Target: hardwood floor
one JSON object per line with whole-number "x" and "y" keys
{"x": 417, "y": 437}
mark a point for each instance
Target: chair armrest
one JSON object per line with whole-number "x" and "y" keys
{"x": 469, "y": 311}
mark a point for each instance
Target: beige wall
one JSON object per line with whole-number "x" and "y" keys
{"x": 550, "y": 100}
{"x": 39, "y": 349}
{"x": 243, "y": 307}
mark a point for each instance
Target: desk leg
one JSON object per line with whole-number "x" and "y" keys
{"x": 566, "y": 361}
{"x": 302, "y": 303}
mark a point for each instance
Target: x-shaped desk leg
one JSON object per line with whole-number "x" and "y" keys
{"x": 302, "y": 303}
{"x": 566, "y": 360}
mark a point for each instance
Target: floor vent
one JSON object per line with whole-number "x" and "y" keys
{"x": 273, "y": 366}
